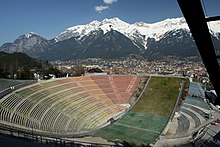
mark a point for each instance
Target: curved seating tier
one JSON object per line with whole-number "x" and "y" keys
{"x": 194, "y": 117}
{"x": 197, "y": 102}
{"x": 194, "y": 112}
{"x": 183, "y": 124}
{"x": 68, "y": 105}
{"x": 117, "y": 88}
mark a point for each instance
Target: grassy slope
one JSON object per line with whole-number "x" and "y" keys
{"x": 159, "y": 97}
{"x": 149, "y": 116}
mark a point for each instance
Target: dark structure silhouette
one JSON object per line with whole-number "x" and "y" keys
{"x": 197, "y": 22}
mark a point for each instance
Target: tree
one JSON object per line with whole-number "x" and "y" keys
{"x": 54, "y": 71}
{"x": 97, "y": 70}
{"x": 79, "y": 70}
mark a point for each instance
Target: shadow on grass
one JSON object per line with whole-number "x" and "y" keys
{"x": 126, "y": 144}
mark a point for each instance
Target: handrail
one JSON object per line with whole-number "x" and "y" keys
{"x": 45, "y": 140}
{"x": 178, "y": 99}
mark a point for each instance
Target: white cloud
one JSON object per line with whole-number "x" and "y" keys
{"x": 110, "y": 1}
{"x": 100, "y": 8}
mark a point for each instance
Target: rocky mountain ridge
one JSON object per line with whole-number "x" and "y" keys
{"x": 113, "y": 38}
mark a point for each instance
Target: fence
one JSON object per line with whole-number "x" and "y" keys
{"x": 39, "y": 139}
{"x": 180, "y": 95}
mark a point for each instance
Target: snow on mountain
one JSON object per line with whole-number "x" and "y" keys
{"x": 81, "y": 30}
{"x": 158, "y": 29}
{"x": 172, "y": 33}
{"x": 132, "y": 31}
{"x": 214, "y": 26}
{"x": 30, "y": 43}
{"x": 140, "y": 30}
{"x": 29, "y": 35}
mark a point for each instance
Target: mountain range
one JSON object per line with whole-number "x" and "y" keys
{"x": 114, "y": 38}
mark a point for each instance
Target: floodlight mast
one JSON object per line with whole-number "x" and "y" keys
{"x": 195, "y": 18}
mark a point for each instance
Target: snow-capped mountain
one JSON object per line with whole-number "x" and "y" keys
{"x": 111, "y": 38}
{"x": 31, "y": 44}
{"x": 153, "y": 30}
{"x": 82, "y": 30}
{"x": 138, "y": 32}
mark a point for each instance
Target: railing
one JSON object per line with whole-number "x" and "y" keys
{"x": 51, "y": 137}
{"x": 30, "y": 136}
{"x": 178, "y": 100}
{"x": 50, "y": 133}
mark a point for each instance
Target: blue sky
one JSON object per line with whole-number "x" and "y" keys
{"x": 48, "y": 18}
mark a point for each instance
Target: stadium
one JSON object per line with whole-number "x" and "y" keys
{"x": 73, "y": 107}
{"x": 112, "y": 110}
{"x": 66, "y": 107}
{"x": 77, "y": 110}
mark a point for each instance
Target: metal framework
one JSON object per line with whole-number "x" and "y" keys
{"x": 197, "y": 22}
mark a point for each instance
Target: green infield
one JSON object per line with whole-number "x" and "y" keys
{"x": 147, "y": 119}
{"x": 134, "y": 128}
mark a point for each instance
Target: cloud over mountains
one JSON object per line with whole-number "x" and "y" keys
{"x": 100, "y": 8}
{"x": 109, "y": 1}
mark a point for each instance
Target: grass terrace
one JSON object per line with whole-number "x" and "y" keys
{"x": 147, "y": 119}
